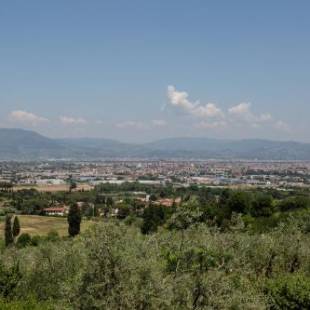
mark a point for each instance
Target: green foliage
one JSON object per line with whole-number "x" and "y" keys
{"x": 8, "y": 234}
{"x": 153, "y": 216}
{"x": 16, "y": 227}
{"x": 218, "y": 249}
{"x": 28, "y": 304}
{"x": 10, "y": 277}
{"x": 262, "y": 205}
{"x": 74, "y": 220}
{"x": 52, "y": 236}
{"x": 239, "y": 202}
{"x": 289, "y": 292}
{"x": 36, "y": 240}
{"x": 110, "y": 202}
{"x": 123, "y": 211}
{"x": 294, "y": 203}
{"x": 186, "y": 215}
{"x": 114, "y": 266}
{"x": 23, "y": 240}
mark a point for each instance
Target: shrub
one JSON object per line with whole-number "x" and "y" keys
{"x": 289, "y": 292}
{"x": 30, "y": 304}
{"x": 23, "y": 240}
{"x": 36, "y": 240}
{"x": 294, "y": 203}
{"x": 52, "y": 236}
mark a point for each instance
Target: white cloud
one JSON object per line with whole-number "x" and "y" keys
{"x": 208, "y": 111}
{"x": 26, "y": 118}
{"x": 67, "y": 120}
{"x": 180, "y": 99}
{"x": 214, "y": 117}
{"x": 241, "y": 109}
{"x": 242, "y": 112}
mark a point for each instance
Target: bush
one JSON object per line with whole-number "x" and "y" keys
{"x": 30, "y": 304}
{"x": 294, "y": 203}
{"x": 36, "y": 240}
{"x": 262, "y": 205}
{"x": 153, "y": 216}
{"x": 239, "y": 202}
{"x": 53, "y": 236}
{"x": 289, "y": 292}
{"x": 23, "y": 240}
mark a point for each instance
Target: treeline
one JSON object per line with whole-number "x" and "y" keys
{"x": 260, "y": 209}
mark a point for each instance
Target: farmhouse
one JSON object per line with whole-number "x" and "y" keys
{"x": 59, "y": 211}
{"x": 168, "y": 202}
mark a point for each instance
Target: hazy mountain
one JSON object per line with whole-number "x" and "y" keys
{"x": 23, "y": 144}
{"x": 232, "y": 149}
{"x": 17, "y": 144}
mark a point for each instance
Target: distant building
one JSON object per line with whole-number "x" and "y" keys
{"x": 168, "y": 202}
{"x": 56, "y": 211}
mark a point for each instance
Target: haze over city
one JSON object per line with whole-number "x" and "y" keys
{"x": 139, "y": 71}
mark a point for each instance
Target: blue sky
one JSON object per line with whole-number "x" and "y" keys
{"x": 142, "y": 70}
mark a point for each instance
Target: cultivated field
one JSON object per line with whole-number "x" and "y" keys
{"x": 42, "y": 225}
{"x": 53, "y": 188}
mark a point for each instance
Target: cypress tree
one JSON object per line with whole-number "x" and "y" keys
{"x": 74, "y": 220}
{"x": 8, "y": 234}
{"x": 16, "y": 227}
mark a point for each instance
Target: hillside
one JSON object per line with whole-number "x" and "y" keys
{"x": 17, "y": 144}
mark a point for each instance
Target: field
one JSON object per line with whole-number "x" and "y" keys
{"x": 53, "y": 188}
{"x": 42, "y": 225}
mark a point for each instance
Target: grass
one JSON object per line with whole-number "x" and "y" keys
{"x": 42, "y": 225}
{"x": 54, "y": 188}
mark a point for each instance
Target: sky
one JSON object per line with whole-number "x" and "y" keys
{"x": 143, "y": 70}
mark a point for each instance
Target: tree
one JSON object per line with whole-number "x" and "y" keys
{"x": 239, "y": 202}
{"x": 74, "y": 220}
{"x": 5, "y": 186}
{"x": 289, "y": 292}
{"x": 72, "y": 183}
{"x": 186, "y": 215}
{"x": 109, "y": 202}
{"x": 72, "y": 186}
{"x": 262, "y": 205}
{"x": 153, "y": 197}
{"x": 8, "y": 234}
{"x": 123, "y": 211}
{"x": 16, "y": 227}
{"x": 153, "y": 216}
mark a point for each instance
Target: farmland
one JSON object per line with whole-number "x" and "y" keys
{"x": 53, "y": 188}
{"x": 42, "y": 225}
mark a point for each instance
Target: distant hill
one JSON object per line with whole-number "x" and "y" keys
{"x": 231, "y": 149}
{"x": 18, "y": 144}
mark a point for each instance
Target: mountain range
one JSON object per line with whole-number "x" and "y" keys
{"x": 18, "y": 144}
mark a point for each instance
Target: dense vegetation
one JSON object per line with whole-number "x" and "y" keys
{"x": 218, "y": 249}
